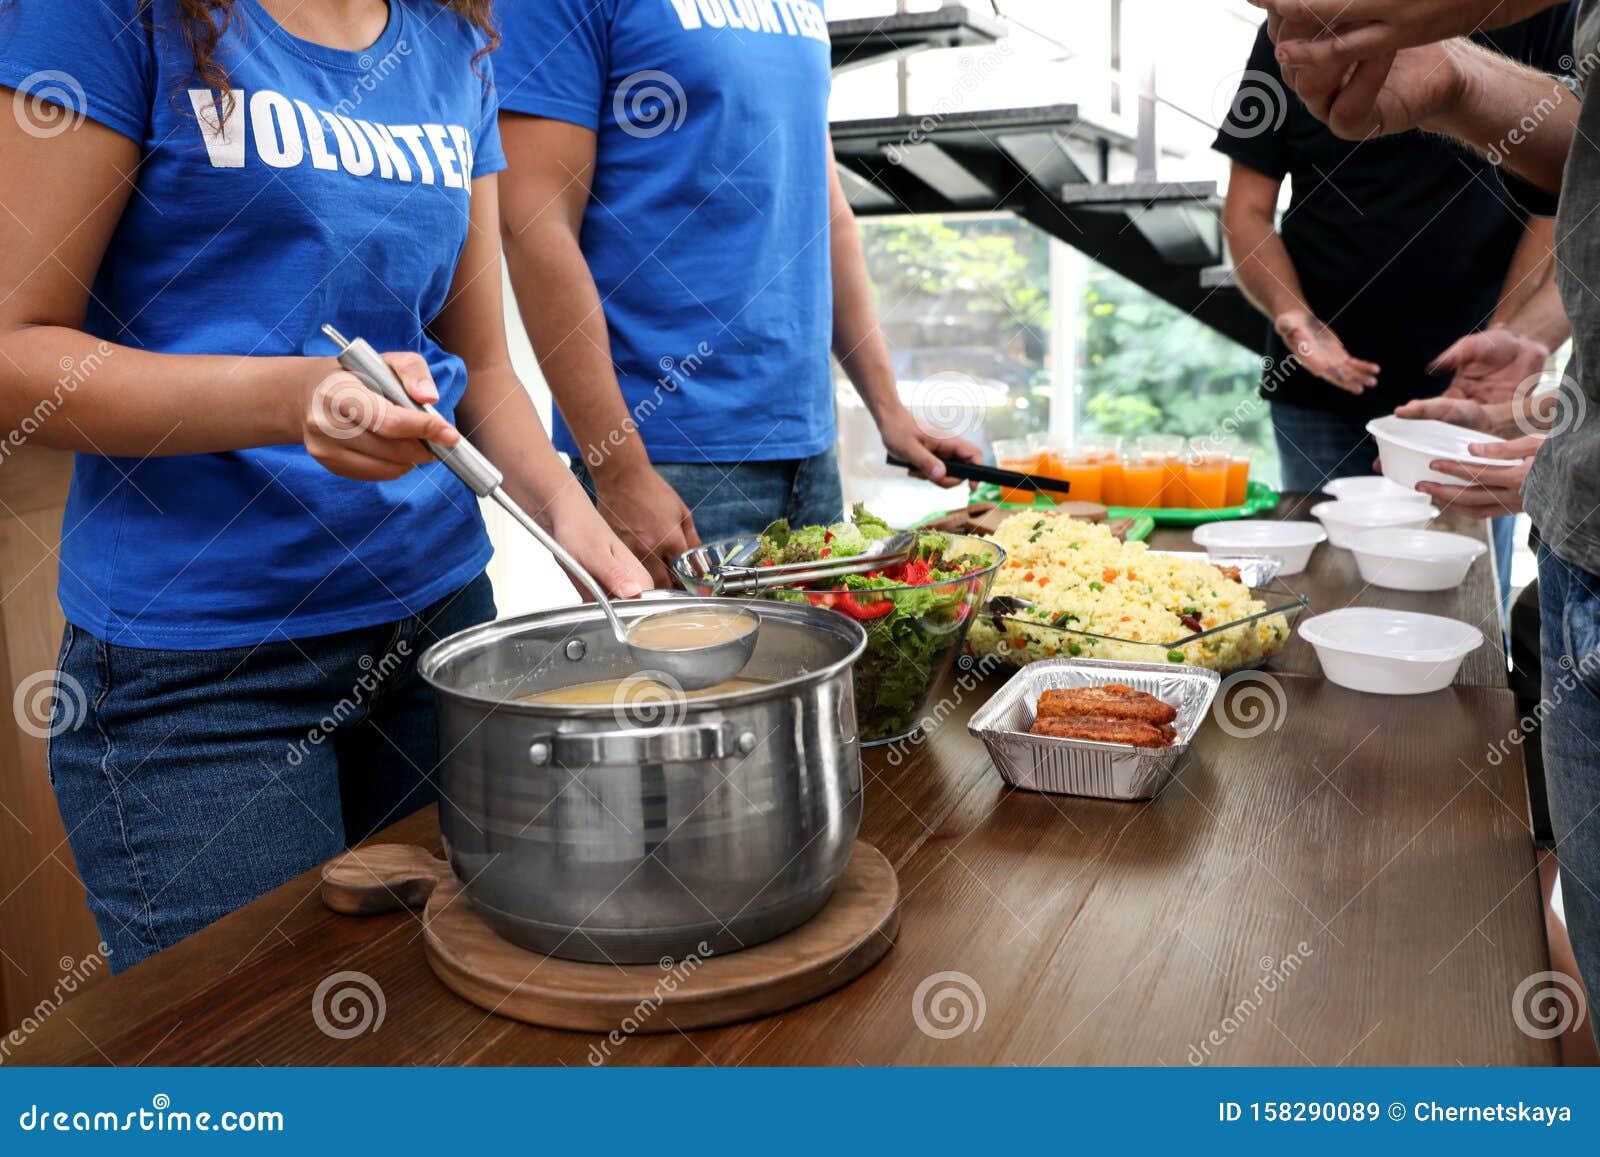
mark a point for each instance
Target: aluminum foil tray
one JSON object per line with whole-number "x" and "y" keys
{"x": 1081, "y": 766}
{"x": 1254, "y": 570}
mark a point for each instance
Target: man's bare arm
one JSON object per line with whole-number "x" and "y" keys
{"x": 863, "y": 351}
{"x": 1261, "y": 264}
{"x": 543, "y": 197}
{"x": 1516, "y": 116}
{"x": 1267, "y": 275}
{"x": 1530, "y": 304}
{"x": 1347, "y": 32}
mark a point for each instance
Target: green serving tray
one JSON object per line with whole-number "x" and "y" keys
{"x": 1143, "y": 525}
{"x": 1259, "y": 499}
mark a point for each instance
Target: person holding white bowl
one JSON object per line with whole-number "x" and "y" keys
{"x": 1486, "y": 491}
{"x": 1368, "y": 69}
{"x": 1399, "y": 271}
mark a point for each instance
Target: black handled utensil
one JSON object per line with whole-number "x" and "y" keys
{"x": 1011, "y": 479}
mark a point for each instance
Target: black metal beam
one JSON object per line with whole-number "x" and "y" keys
{"x": 1181, "y": 219}
{"x": 1039, "y": 164}
{"x": 873, "y": 39}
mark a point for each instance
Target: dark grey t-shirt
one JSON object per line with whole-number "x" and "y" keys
{"x": 1562, "y": 493}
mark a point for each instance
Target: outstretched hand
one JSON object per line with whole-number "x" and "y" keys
{"x": 1494, "y": 365}
{"x": 1316, "y": 347}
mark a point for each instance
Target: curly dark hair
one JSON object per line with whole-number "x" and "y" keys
{"x": 205, "y": 22}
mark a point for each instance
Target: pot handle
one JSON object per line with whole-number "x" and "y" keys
{"x": 630, "y": 747}
{"x": 381, "y": 878}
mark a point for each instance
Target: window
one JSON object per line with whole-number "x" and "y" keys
{"x": 998, "y": 331}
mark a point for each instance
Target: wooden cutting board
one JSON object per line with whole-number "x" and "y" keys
{"x": 986, "y": 517}
{"x": 851, "y": 934}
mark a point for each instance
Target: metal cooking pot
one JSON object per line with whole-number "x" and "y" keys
{"x": 649, "y": 825}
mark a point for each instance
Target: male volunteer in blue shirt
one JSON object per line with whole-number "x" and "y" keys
{"x": 684, "y": 258}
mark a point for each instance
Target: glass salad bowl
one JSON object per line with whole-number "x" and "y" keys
{"x": 915, "y": 629}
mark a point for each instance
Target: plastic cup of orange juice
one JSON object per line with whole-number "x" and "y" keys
{"x": 1108, "y": 453}
{"x": 1238, "y": 474}
{"x": 1142, "y": 476}
{"x": 1238, "y": 479}
{"x": 1206, "y": 473}
{"x": 1084, "y": 476}
{"x": 1113, "y": 489}
{"x": 1069, "y": 466}
{"x": 1169, "y": 449}
{"x": 1016, "y": 454}
{"x": 1238, "y": 466}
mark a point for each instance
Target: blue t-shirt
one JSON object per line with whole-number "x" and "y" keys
{"x": 336, "y": 192}
{"x": 707, "y": 231}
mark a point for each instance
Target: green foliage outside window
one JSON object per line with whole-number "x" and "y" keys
{"x": 973, "y": 294}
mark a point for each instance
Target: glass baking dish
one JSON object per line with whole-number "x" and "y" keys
{"x": 1023, "y": 634}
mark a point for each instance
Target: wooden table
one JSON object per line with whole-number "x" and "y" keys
{"x": 1355, "y": 886}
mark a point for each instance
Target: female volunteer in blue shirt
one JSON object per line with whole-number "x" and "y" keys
{"x": 255, "y": 549}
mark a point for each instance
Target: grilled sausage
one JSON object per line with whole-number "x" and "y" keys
{"x": 1113, "y": 701}
{"x": 1130, "y": 732}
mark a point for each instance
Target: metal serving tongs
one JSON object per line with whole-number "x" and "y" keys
{"x": 692, "y": 668}
{"x": 733, "y": 575}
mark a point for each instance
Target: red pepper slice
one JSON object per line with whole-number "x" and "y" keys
{"x": 856, "y": 609}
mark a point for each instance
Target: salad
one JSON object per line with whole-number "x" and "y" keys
{"x": 915, "y": 612}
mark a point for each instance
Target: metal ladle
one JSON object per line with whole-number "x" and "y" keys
{"x": 691, "y": 668}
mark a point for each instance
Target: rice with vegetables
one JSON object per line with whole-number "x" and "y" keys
{"x": 1082, "y": 579}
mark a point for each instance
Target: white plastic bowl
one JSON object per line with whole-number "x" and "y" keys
{"x": 1407, "y": 445}
{"x": 1365, "y": 487}
{"x": 1292, "y": 542}
{"x": 1344, "y": 519}
{"x": 1414, "y": 560}
{"x": 1389, "y": 652}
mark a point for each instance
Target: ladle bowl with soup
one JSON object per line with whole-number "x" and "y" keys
{"x": 695, "y": 647}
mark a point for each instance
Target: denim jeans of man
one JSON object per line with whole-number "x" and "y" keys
{"x": 731, "y": 498}
{"x": 192, "y": 782}
{"x": 1569, "y": 645}
{"x": 1317, "y": 446}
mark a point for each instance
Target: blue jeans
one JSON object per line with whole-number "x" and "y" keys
{"x": 1317, "y": 446}
{"x": 192, "y": 782}
{"x": 734, "y": 498}
{"x": 1569, "y": 646}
